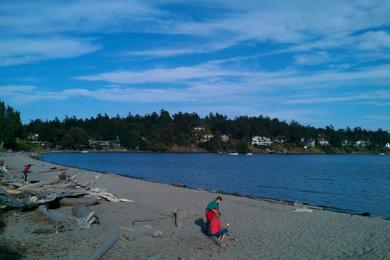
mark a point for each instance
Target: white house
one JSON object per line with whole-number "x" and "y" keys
{"x": 225, "y": 138}
{"x": 206, "y": 138}
{"x": 323, "y": 142}
{"x": 198, "y": 129}
{"x": 261, "y": 141}
{"x": 104, "y": 144}
{"x": 279, "y": 139}
{"x": 361, "y": 143}
{"x": 309, "y": 143}
{"x": 387, "y": 145}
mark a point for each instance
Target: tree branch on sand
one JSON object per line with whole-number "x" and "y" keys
{"x": 63, "y": 190}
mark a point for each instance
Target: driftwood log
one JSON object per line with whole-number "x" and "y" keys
{"x": 103, "y": 249}
{"x": 179, "y": 217}
{"x": 39, "y": 185}
{"x": 52, "y": 190}
{"x": 63, "y": 222}
{"x": 69, "y": 201}
{"x": 9, "y": 202}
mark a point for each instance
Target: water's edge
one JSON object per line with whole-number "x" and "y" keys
{"x": 237, "y": 194}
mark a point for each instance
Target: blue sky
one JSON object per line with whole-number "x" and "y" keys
{"x": 317, "y": 62}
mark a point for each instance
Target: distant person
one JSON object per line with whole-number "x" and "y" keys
{"x": 212, "y": 209}
{"x": 216, "y": 229}
{"x": 26, "y": 170}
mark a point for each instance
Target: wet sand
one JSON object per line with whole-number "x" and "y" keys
{"x": 259, "y": 229}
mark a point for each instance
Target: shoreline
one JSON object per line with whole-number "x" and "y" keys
{"x": 220, "y": 153}
{"x": 260, "y": 228}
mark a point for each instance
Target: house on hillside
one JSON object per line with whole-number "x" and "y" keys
{"x": 346, "y": 143}
{"x": 104, "y": 144}
{"x": 205, "y": 138}
{"x": 387, "y": 145}
{"x": 261, "y": 141}
{"x": 309, "y": 143}
{"x": 225, "y": 138}
{"x": 198, "y": 129}
{"x": 280, "y": 140}
{"x": 323, "y": 142}
{"x": 361, "y": 143}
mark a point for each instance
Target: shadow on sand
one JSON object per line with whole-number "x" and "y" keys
{"x": 203, "y": 225}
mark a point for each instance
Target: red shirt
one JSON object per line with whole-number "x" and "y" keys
{"x": 209, "y": 215}
{"x": 215, "y": 225}
{"x": 26, "y": 169}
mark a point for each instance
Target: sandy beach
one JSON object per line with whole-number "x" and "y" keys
{"x": 259, "y": 229}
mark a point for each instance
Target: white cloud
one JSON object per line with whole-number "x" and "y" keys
{"x": 213, "y": 74}
{"x": 177, "y": 74}
{"x": 316, "y": 25}
{"x": 366, "y": 96}
{"x": 17, "y": 51}
{"x": 374, "y": 40}
{"x": 290, "y": 21}
{"x": 312, "y": 58}
{"x": 11, "y": 89}
{"x": 377, "y": 117}
{"x": 48, "y": 17}
{"x": 169, "y": 52}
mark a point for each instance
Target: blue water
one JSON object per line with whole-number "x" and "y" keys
{"x": 352, "y": 183}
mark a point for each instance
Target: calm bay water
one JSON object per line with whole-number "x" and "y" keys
{"x": 353, "y": 183}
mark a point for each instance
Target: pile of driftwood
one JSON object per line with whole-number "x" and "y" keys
{"x": 63, "y": 190}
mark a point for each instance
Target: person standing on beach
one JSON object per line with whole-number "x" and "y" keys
{"x": 212, "y": 208}
{"x": 26, "y": 170}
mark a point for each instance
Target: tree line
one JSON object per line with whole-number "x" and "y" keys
{"x": 163, "y": 132}
{"x": 10, "y": 126}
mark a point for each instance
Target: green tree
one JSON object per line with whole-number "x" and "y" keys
{"x": 10, "y": 126}
{"x": 76, "y": 138}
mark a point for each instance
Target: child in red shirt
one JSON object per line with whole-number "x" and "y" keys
{"x": 27, "y": 169}
{"x": 216, "y": 228}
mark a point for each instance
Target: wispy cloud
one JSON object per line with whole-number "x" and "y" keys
{"x": 18, "y": 51}
{"x": 277, "y": 79}
{"x": 47, "y": 17}
{"x": 162, "y": 75}
{"x": 366, "y": 96}
{"x": 377, "y": 117}
{"x": 178, "y": 51}
{"x": 312, "y": 58}
{"x": 12, "y": 89}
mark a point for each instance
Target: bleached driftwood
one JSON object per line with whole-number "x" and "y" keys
{"x": 39, "y": 185}
{"x": 9, "y": 202}
{"x": 80, "y": 210}
{"x": 103, "y": 249}
{"x": 102, "y": 194}
{"x": 63, "y": 186}
{"x": 145, "y": 230}
{"x": 179, "y": 217}
{"x": 64, "y": 222}
{"x": 303, "y": 209}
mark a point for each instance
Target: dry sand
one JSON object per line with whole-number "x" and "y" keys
{"x": 260, "y": 229}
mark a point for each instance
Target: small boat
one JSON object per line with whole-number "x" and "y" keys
{"x": 84, "y": 151}
{"x": 249, "y": 154}
{"x": 382, "y": 154}
{"x": 233, "y": 153}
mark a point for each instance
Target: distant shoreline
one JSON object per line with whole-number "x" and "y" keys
{"x": 222, "y": 153}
